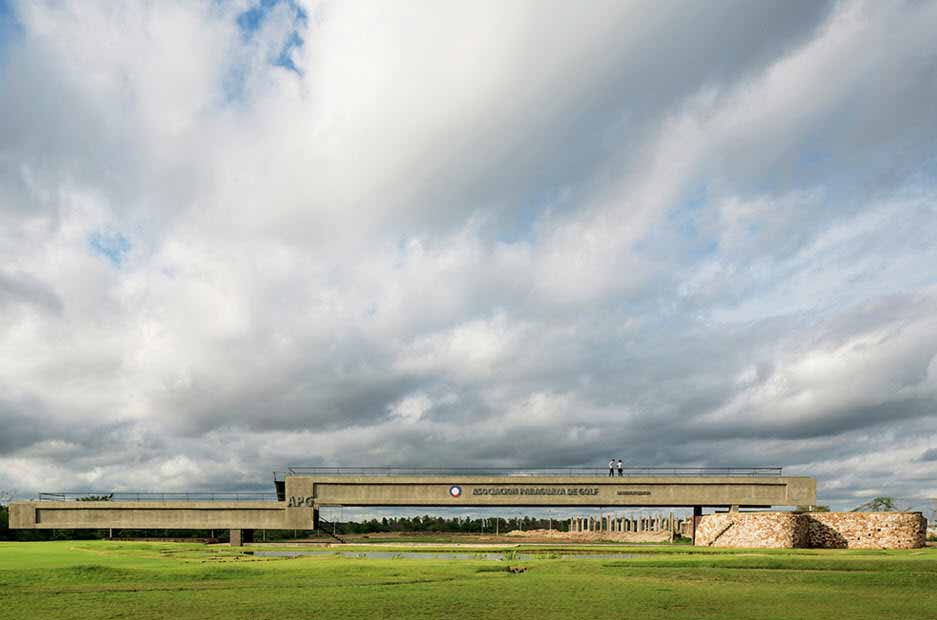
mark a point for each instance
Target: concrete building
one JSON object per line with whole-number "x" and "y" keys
{"x": 302, "y": 493}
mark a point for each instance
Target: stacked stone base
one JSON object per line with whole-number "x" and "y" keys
{"x": 819, "y": 530}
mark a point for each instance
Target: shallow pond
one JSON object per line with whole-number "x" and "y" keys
{"x": 437, "y": 555}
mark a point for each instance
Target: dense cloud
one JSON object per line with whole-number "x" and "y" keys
{"x": 238, "y": 236}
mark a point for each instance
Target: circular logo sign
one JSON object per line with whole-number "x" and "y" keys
{"x": 455, "y": 491}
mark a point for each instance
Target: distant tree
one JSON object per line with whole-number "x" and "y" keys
{"x": 96, "y": 498}
{"x": 878, "y": 504}
{"x": 5, "y": 498}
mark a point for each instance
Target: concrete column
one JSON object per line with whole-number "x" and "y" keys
{"x": 239, "y": 538}
{"x": 697, "y": 515}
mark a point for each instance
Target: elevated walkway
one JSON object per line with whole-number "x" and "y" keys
{"x": 302, "y": 491}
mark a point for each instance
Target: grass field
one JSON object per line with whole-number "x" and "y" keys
{"x": 99, "y": 579}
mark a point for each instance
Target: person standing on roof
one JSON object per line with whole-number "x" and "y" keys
{"x": 620, "y": 470}
{"x": 611, "y": 467}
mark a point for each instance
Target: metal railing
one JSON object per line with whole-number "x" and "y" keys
{"x": 552, "y": 471}
{"x": 151, "y": 496}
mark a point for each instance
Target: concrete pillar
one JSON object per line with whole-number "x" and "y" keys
{"x": 697, "y": 515}
{"x": 239, "y": 538}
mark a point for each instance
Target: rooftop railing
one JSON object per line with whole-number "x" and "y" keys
{"x": 151, "y": 496}
{"x": 552, "y": 471}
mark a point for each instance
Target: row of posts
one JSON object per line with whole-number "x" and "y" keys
{"x": 613, "y": 523}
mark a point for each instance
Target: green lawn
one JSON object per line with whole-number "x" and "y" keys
{"x": 99, "y": 579}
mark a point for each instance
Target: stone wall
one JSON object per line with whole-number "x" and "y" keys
{"x": 776, "y": 530}
{"x": 866, "y": 530}
{"x": 827, "y": 530}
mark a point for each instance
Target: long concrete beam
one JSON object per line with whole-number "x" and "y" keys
{"x": 306, "y": 494}
{"x": 559, "y": 491}
{"x": 151, "y": 515}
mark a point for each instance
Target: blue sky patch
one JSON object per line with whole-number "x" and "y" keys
{"x": 251, "y": 20}
{"x": 9, "y": 24}
{"x": 110, "y": 245}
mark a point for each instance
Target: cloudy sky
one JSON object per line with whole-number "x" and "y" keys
{"x": 239, "y": 235}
